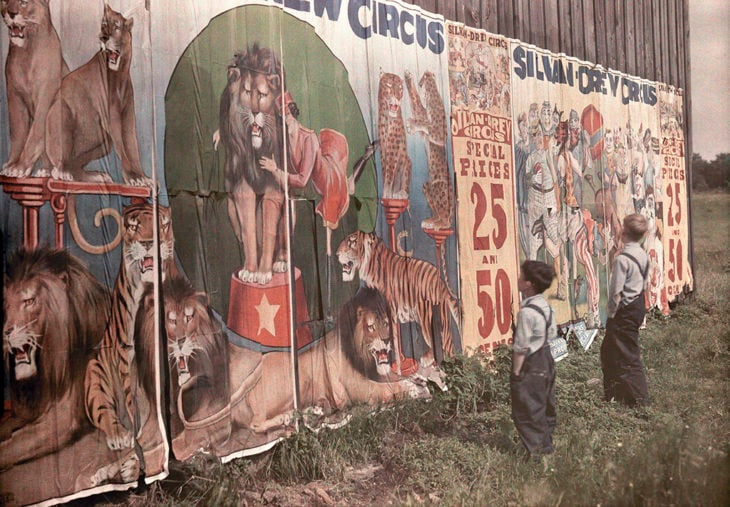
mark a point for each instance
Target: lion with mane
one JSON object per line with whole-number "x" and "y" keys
{"x": 367, "y": 337}
{"x": 250, "y": 128}
{"x": 197, "y": 354}
{"x": 55, "y": 316}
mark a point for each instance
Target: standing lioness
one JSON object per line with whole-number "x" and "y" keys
{"x": 33, "y": 73}
{"x": 94, "y": 108}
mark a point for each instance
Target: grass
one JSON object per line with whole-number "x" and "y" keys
{"x": 461, "y": 448}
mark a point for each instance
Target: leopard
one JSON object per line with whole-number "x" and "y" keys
{"x": 395, "y": 162}
{"x": 429, "y": 120}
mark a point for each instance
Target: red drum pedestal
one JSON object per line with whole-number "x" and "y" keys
{"x": 260, "y": 313}
{"x": 393, "y": 209}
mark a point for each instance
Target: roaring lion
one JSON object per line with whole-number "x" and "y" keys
{"x": 94, "y": 109}
{"x": 196, "y": 349}
{"x": 367, "y": 337}
{"x": 55, "y": 315}
{"x": 33, "y": 73}
{"x": 250, "y": 129}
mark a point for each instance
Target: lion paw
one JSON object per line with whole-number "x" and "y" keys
{"x": 60, "y": 174}
{"x": 280, "y": 267}
{"x": 129, "y": 468}
{"x": 415, "y": 390}
{"x": 140, "y": 181}
{"x": 247, "y": 276}
{"x": 119, "y": 438}
{"x": 430, "y": 371}
{"x": 16, "y": 170}
{"x": 263, "y": 277}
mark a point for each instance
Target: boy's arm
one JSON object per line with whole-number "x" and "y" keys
{"x": 520, "y": 343}
{"x": 616, "y": 285}
{"x": 517, "y": 359}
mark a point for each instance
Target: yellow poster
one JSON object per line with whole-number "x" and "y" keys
{"x": 481, "y": 130}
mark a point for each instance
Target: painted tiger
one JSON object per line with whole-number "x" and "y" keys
{"x": 113, "y": 401}
{"x": 411, "y": 287}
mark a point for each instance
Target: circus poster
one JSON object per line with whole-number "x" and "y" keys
{"x": 284, "y": 127}
{"x": 481, "y": 128}
{"x": 85, "y": 248}
{"x": 586, "y": 155}
{"x": 676, "y": 276}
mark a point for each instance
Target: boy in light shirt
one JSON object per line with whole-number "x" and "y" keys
{"x": 624, "y": 379}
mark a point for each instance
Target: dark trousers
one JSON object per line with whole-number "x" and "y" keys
{"x": 533, "y": 402}
{"x": 624, "y": 378}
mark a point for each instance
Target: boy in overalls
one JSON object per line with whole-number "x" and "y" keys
{"x": 623, "y": 372}
{"x": 532, "y": 382}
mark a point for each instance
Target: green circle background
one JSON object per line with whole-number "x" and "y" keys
{"x": 204, "y": 240}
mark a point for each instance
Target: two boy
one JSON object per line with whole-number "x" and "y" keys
{"x": 532, "y": 380}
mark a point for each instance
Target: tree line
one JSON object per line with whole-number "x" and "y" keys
{"x": 711, "y": 175}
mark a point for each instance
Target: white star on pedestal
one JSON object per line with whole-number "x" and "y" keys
{"x": 267, "y": 314}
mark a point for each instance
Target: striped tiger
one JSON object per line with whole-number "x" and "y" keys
{"x": 113, "y": 378}
{"x": 411, "y": 287}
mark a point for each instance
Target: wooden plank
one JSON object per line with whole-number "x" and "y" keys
{"x": 610, "y": 30}
{"x": 657, "y": 25}
{"x": 505, "y": 19}
{"x": 673, "y": 49}
{"x": 630, "y": 34}
{"x": 552, "y": 25}
{"x": 589, "y": 22}
{"x": 620, "y": 24}
{"x": 460, "y": 11}
{"x": 447, "y": 8}
{"x": 565, "y": 28}
{"x": 537, "y": 23}
{"x": 599, "y": 14}
{"x": 489, "y": 15}
{"x": 522, "y": 21}
{"x": 576, "y": 28}
{"x": 427, "y": 5}
{"x": 640, "y": 38}
{"x": 683, "y": 50}
{"x": 649, "y": 40}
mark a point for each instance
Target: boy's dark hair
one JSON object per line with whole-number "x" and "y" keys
{"x": 635, "y": 226}
{"x": 539, "y": 274}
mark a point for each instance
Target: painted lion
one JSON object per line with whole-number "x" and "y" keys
{"x": 261, "y": 385}
{"x": 196, "y": 351}
{"x": 55, "y": 316}
{"x": 367, "y": 338}
{"x": 250, "y": 129}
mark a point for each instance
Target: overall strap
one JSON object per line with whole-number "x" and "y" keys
{"x": 643, "y": 271}
{"x": 547, "y": 320}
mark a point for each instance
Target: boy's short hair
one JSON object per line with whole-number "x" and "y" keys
{"x": 539, "y": 274}
{"x": 635, "y": 226}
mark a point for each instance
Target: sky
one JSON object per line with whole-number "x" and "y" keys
{"x": 709, "y": 25}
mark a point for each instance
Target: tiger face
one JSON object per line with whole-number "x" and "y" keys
{"x": 139, "y": 246}
{"x": 23, "y": 17}
{"x": 374, "y": 338}
{"x": 115, "y": 37}
{"x": 351, "y": 253}
{"x": 183, "y": 326}
{"x": 390, "y": 94}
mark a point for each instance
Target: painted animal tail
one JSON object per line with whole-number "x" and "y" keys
{"x": 100, "y": 214}
{"x": 359, "y": 166}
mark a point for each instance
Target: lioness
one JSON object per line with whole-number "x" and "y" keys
{"x": 33, "y": 73}
{"x": 94, "y": 108}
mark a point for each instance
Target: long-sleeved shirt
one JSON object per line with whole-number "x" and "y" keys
{"x": 530, "y": 332}
{"x": 627, "y": 282}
